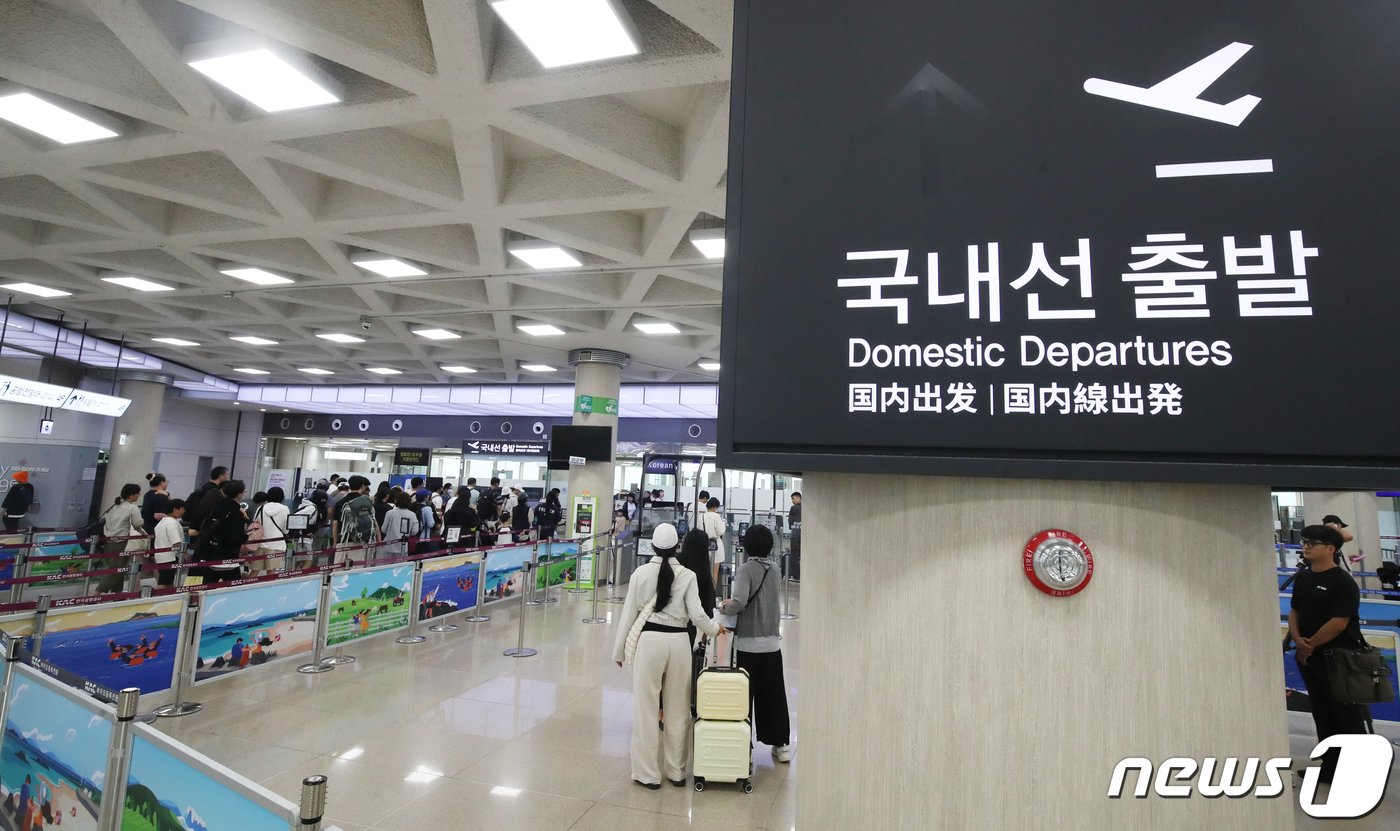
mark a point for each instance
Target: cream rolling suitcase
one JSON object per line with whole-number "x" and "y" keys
{"x": 723, "y": 753}
{"x": 722, "y": 694}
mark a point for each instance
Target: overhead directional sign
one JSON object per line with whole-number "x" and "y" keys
{"x": 1110, "y": 239}
{"x": 474, "y": 447}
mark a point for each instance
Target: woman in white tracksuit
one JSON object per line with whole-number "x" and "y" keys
{"x": 661, "y": 666}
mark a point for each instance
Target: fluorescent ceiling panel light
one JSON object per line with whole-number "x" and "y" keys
{"x": 40, "y": 291}
{"x": 175, "y": 341}
{"x": 387, "y": 266}
{"x": 340, "y": 337}
{"x": 658, "y": 328}
{"x": 709, "y": 366}
{"x": 137, "y": 283}
{"x": 459, "y": 370}
{"x": 254, "y": 340}
{"x": 256, "y": 276}
{"x": 436, "y": 334}
{"x": 540, "y": 330}
{"x": 542, "y": 256}
{"x": 710, "y": 242}
{"x": 311, "y": 370}
{"x": 567, "y": 32}
{"x": 537, "y": 368}
{"x": 64, "y": 126}
{"x": 345, "y": 456}
{"x": 248, "y": 370}
{"x": 383, "y": 370}
{"x": 271, "y": 81}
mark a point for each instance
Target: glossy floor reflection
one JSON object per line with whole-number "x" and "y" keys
{"x": 451, "y": 734}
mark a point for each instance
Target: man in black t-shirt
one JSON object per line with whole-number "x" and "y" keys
{"x": 1324, "y": 614}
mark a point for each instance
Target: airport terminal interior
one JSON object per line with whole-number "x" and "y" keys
{"x": 475, "y": 251}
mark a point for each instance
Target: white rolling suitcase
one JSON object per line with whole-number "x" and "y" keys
{"x": 723, "y": 751}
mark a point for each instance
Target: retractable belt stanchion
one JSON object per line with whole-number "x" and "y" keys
{"x": 549, "y": 553}
{"x": 121, "y": 756}
{"x": 41, "y": 616}
{"x": 787, "y": 589}
{"x": 578, "y": 573}
{"x": 323, "y": 616}
{"x": 476, "y": 616}
{"x": 185, "y": 659}
{"x": 313, "y": 803}
{"x": 93, "y": 551}
{"x": 615, "y": 573}
{"x": 594, "y": 618}
{"x": 21, "y": 568}
{"x": 415, "y": 593}
{"x": 530, "y": 586}
{"x": 520, "y": 650}
{"x": 11, "y": 658}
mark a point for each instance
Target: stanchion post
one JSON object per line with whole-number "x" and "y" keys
{"x": 530, "y": 586}
{"x": 41, "y": 617}
{"x": 133, "y": 574}
{"x": 787, "y": 590}
{"x": 476, "y": 616}
{"x": 323, "y": 616}
{"x": 578, "y": 573}
{"x": 93, "y": 546}
{"x": 11, "y": 658}
{"x": 313, "y": 803}
{"x": 289, "y": 560}
{"x": 549, "y": 553}
{"x": 520, "y": 650}
{"x": 185, "y": 658}
{"x": 595, "y": 618}
{"x": 21, "y": 568}
{"x": 119, "y": 761}
{"x": 415, "y": 593}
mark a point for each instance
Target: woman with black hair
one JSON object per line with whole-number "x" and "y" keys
{"x": 156, "y": 502}
{"x": 695, "y": 555}
{"x": 222, "y": 535}
{"x": 121, "y": 523}
{"x": 667, "y": 594}
{"x": 461, "y": 515}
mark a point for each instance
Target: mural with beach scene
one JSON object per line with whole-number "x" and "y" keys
{"x": 164, "y": 793}
{"x": 449, "y": 585}
{"x": 53, "y": 761}
{"x": 368, "y": 602}
{"x": 129, "y": 644}
{"x": 504, "y": 569}
{"x": 256, "y": 625}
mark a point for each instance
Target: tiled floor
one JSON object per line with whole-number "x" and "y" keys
{"x": 450, "y": 734}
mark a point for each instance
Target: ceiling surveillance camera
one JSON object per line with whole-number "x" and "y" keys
{"x": 364, "y": 323}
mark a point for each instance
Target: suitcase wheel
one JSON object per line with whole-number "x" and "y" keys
{"x": 699, "y": 783}
{"x": 748, "y": 786}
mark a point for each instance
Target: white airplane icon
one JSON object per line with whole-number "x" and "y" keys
{"x": 1181, "y": 92}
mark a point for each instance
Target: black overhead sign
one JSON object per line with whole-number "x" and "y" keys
{"x": 412, "y": 456}
{"x": 473, "y": 447}
{"x": 1102, "y": 239}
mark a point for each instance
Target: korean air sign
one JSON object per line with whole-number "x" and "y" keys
{"x": 1104, "y": 240}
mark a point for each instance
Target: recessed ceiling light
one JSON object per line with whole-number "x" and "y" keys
{"x": 175, "y": 341}
{"x": 658, "y": 328}
{"x": 248, "y": 370}
{"x": 256, "y": 276}
{"x": 537, "y": 368}
{"x": 565, "y": 32}
{"x": 709, "y": 366}
{"x": 137, "y": 283}
{"x": 710, "y": 241}
{"x": 540, "y": 329}
{"x": 459, "y": 370}
{"x": 541, "y": 255}
{"x": 387, "y": 266}
{"x": 41, "y": 291}
{"x": 436, "y": 334}
{"x": 61, "y": 124}
{"x": 272, "y": 82}
{"x": 254, "y": 340}
{"x": 340, "y": 337}
{"x": 383, "y": 370}
{"x": 311, "y": 370}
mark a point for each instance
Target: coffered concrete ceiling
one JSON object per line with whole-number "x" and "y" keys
{"x": 451, "y": 141}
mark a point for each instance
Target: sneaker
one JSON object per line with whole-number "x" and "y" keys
{"x": 782, "y": 753}
{"x": 679, "y": 783}
{"x": 651, "y": 786}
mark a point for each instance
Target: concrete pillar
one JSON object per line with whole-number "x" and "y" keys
{"x": 130, "y": 459}
{"x": 597, "y": 373}
{"x": 942, "y": 690}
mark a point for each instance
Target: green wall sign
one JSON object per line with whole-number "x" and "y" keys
{"x": 595, "y": 404}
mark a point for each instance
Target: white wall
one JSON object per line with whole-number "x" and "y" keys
{"x": 188, "y": 431}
